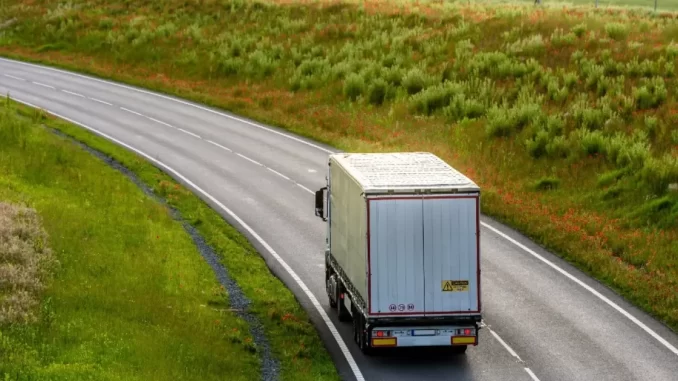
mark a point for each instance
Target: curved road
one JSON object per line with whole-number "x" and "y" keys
{"x": 544, "y": 319}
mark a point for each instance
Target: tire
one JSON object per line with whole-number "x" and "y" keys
{"x": 333, "y": 304}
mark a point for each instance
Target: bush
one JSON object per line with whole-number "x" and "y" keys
{"x": 354, "y": 86}
{"x": 414, "y": 81}
{"x": 616, "y": 31}
{"x": 503, "y": 121}
{"x": 436, "y": 97}
{"x": 377, "y": 91}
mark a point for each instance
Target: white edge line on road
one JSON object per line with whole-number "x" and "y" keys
{"x": 72, "y": 93}
{"x": 349, "y": 358}
{"x": 14, "y": 77}
{"x": 100, "y": 101}
{"x": 44, "y": 85}
{"x": 587, "y": 287}
{"x": 568, "y": 275}
{"x": 169, "y": 98}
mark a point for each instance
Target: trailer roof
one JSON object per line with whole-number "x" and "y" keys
{"x": 403, "y": 171}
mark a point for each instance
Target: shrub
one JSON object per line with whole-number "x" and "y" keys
{"x": 579, "y": 30}
{"x": 502, "y": 121}
{"x": 377, "y": 91}
{"x": 354, "y": 86}
{"x": 658, "y": 173}
{"x": 651, "y": 94}
{"x": 616, "y": 31}
{"x": 414, "y": 81}
{"x": 547, "y": 183}
{"x": 461, "y": 107}
{"x": 435, "y": 97}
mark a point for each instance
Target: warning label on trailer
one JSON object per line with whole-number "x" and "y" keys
{"x": 455, "y": 285}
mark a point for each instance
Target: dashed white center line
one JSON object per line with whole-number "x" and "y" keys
{"x": 220, "y": 146}
{"x": 43, "y": 85}
{"x": 278, "y": 173}
{"x": 14, "y": 77}
{"x": 131, "y": 111}
{"x": 100, "y": 101}
{"x": 72, "y": 93}
{"x": 247, "y": 158}
{"x": 532, "y": 375}
{"x": 190, "y": 133}
{"x": 304, "y": 188}
{"x": 161, "y": 122}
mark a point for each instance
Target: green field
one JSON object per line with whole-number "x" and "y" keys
{"x": 98, "y": 281}
{"x": 564, "y": 116}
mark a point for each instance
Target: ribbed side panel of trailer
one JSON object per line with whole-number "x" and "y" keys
{"x": 348, "y": 227}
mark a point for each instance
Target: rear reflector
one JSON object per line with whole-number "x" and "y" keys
{"x": 384, "y": 342}
{"x": 463, "y": 340}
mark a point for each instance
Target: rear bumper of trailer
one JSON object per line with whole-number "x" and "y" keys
{"x": 433, "y": 336}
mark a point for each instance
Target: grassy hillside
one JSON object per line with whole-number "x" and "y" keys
{"x": 97, "y": 281}
{"x": 564, "y": 116}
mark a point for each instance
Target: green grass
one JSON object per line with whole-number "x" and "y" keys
{"x": 131, "y": 297}
{"x": 563, "y": 116}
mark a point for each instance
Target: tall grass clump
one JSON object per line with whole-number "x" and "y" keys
{"x": 26, "y": 263}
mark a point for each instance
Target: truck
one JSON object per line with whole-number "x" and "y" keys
{"x": 402, "y": 253}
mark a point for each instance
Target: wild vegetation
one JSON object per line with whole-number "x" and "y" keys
{"x": 563, "y": 115}
{"x": 98, "y": 281}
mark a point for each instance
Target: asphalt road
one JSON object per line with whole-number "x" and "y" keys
{"x": 545, "y": 320}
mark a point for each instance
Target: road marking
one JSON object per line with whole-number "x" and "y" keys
{"x": 274, "y": 254}
{"x": 43, "y": 85}
{"x": 278, "y": 173}
{"x": 72, "y": 93}
{"x": 173, "y": 100}
{"x": 161, "y": 122}
{"x": 588, "y": 288}
{"x": 219, "y": 145}
{"x": 312, "y": 171}
{"x": 306, "y": 189}
{"x": 189, "y": 132}
{"x": 11, "y": 76}
{"x": 503, "y": 343}
{"x": 131, "y": 111}
{"x": 100, "y": 101}
{"x": 529, "y": 371}
{"x": 247, "y": 158}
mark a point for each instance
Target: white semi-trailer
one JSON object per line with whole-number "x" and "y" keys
{"x": 402, "y": 260}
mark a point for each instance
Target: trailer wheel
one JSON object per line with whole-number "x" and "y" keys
{"x": 364, "y": 337}
{"x": 333, "y": 303}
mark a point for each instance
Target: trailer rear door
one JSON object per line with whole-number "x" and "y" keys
{"x": 395, "y": 256}
{"x": 451, "y": 260}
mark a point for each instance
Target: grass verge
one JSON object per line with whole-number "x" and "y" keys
{"x": 562, "y": 115}
{"x": 132, "y": 298}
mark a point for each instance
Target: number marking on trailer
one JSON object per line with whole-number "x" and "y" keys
{"x": 455, "y": 285}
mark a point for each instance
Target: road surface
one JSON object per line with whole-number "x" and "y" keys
{"x": 544, "y": 319}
